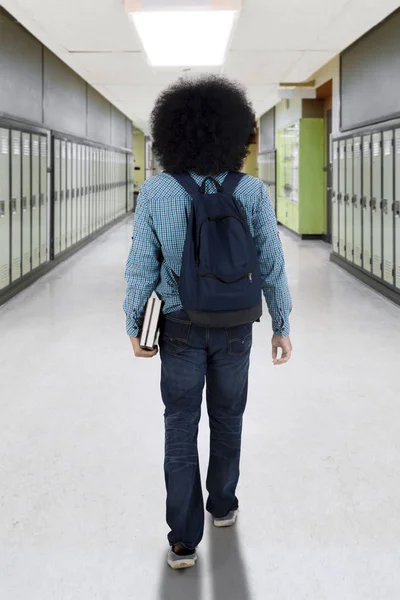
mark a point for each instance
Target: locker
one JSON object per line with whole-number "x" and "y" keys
{"x": 26, "y": 206}
{"x": 97, "y": 187}
{"x": 101, "y": 183}
{"x": 388, "y": 208}
{"x": 43, "y": 200}
{"x": 397, "y": 212}
{"x": 78, "y": 194}
{"x": 349, "y": 201}
{"x": 57, "y": 199}
{"x": 4, "y": 208}
{"x": 376, "y": 204}
{"x": 15, "y": 205}
{"x": 92, "y": 190}
{"x": 341, "y": 198}
{"x": 68, "y": 196}
{"x": 82, "y": 190}
{"x": 366, "y": 204}
{"x": 63, "y": 196}
{"x": 87, "y": 183}
{"x": 74, "y": 211}
{"x": 35, "y": 202}
{"x": 357, "y": 204}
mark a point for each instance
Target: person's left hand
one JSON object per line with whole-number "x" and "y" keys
{"x": 140, "y": 352}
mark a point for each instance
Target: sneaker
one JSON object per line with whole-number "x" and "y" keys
{"x": 181, "y": 558}
{"x": 228, "y": 520}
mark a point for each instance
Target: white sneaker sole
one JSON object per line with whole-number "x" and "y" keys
{"x": 182, "y": 563}
{"x": 226, "y": 522}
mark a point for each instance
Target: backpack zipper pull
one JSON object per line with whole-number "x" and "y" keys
{"x": 251, "y": 277}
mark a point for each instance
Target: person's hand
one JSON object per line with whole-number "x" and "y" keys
{"x": 139, "y": 352}
{"x": 285, "y": 345}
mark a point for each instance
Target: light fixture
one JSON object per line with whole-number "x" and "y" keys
{"x": 184, "y": 33}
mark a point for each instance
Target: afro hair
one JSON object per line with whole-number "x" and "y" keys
{"x": 202, "y": 125}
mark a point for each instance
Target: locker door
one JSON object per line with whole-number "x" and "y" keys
{"x": 35, "y": 202}
{"x": 366, "y": 204}
{"x": 44, "y": 203}
{"x": 73, "y": 194}
{"x": 57, "y": 199}
{"x": 83, "y": 192}
{"x": 69, "y": 195}
{"x": 357, "y": 206}
{"x": 94, "y": 192}
{"x": 349, "y": 201}
{"x": 97, "y": 188}
{"x": 4, "y": 208}
{"x": 78, "y": 193}
{"x": 376, "y": 204}
{"x": 341, "y": 198}
{"x": 108, "y": 187}
{"x": 397, "y": 211}
{"x": 16, "y": 205}
{"x": 63, "y": 196}
{"x": 87, "y": 183}
{"x": 388, "y": 208}
{"x": 101, "y": 159}
{"x": 26, "y": 203}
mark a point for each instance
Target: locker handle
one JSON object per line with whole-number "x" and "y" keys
{"x": 397, "y": 209}
{"x": 24, "y": 203}
{"x": 61, "y": 196}
{"x": 373, "y": 203}
{"x": 41, "y": 199}
{"x": 354, "y": 199}
{"x": 33, "y": 202}
{"x": 14, "y": 206}
{"x": 55, "y": 196}
{"x": 2, "y": 209}
{"x": 346, "y": 198}
{"x": 385, "y": 206}
{"x": 73, "y": 194}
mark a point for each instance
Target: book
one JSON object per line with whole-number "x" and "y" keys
{"x": 151, "y": 323}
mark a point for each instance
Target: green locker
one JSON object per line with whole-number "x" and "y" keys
{"x": 57, "y": 198}
{"x": 397, "y": 212}
{"x": 341, "y": 198}
{"x": 35, "y": 201}
{"x": 74, "y": 191}
{"x": 69, "y": 195}
{"x": 388, "y": 208}
{"x": 44, "y": 202}
{"x": 63, "y": 196}
{"x": 4, "y": 208}
{"x": 349, "y": 201}
{"x": 376, "y": 204}
{"x": 26, "y": 203}
{"x": 335, "y": 193}
{"x": 367, "y": 204}
{"x": 357, "y": 205}
{"x": 15, "y": 205}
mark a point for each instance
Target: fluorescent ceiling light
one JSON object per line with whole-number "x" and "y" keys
{"x": 195, "y": 38}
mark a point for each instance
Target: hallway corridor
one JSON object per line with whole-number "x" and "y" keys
{"x": 81, "y": 446}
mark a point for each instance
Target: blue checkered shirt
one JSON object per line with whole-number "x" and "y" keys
{"x": 160, "y": 229}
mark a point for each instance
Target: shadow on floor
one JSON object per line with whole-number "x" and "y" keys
{"x": 181, "y": 585}
{"x": 228, "y": 571}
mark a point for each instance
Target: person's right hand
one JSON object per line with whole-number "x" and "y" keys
{"x": 138, "y": 350}
{"x": 285, "y": 345}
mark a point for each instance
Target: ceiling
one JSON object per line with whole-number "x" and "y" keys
{"x": 274, "y": 41}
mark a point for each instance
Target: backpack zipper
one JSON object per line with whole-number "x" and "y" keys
{"x": 248, "y": 276}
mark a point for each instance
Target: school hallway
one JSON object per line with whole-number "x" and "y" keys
{"x": 81, "y": 446}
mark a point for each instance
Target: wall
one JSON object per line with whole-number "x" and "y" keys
{"x": 251, "y": 162}
{"x": 139, "y": 153}
{"x": 331, "y": 71}
{"x": 38, "y": 88}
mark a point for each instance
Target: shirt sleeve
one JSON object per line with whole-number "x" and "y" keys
{"x": 143, "y": 266}
{"x": 274, "y": 280}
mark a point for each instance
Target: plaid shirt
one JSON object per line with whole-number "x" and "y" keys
{"x": 159, "y": 233}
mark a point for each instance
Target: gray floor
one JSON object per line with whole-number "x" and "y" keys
{"x": 81, "y": 442}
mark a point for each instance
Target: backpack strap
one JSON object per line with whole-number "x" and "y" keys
{"x": 231, "y": 182}
{"x": 187, "y": 182}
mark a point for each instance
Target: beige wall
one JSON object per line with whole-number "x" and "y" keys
{"x": 138, "y": 152}
{"x": 251, "y": 162}
{"x": 331, "y": 71}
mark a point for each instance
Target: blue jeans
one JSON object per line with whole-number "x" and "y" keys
{"x": 190, "y": 356}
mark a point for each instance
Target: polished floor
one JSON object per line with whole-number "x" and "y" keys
{"x": 81, "y": 443}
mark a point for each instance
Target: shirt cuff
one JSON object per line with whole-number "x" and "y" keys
{"x": 132, "y": 328}
{"x": 281, "y": 328}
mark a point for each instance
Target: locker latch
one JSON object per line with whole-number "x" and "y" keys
{"x": 354, "y": 200}
{"x": 346, "y": 199}
{"x": 385, "y": 206}
{"x": 373, "y": 203}
{"x": 397, "y": 208}
{"x": 33, "y": 200}
{"x": 2, "y": 209}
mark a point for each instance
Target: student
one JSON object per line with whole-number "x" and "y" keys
{"x": 202, "y": 127}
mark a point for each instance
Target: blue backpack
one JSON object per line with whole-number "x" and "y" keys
{"x": 220, "y": 280}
